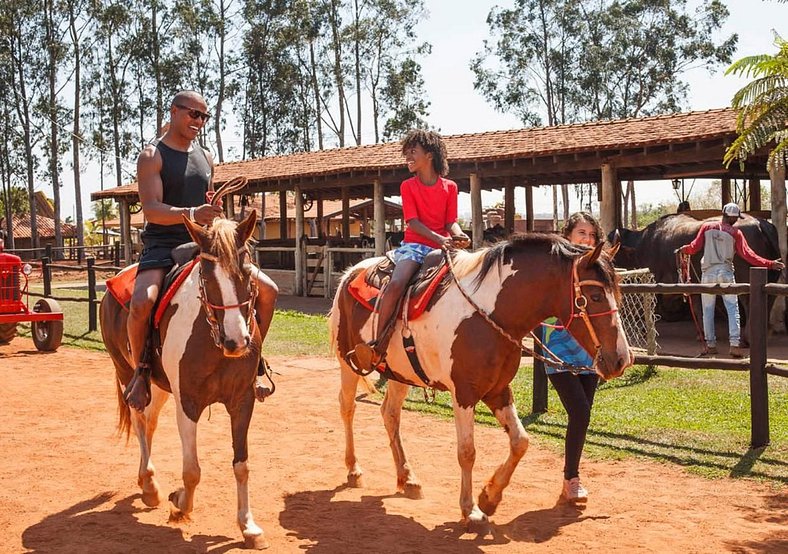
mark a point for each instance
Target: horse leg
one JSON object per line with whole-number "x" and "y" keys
{"x": 144, "y": 426}
{"x": 391, "y": 410}
{"x": 183, "y": 499}
{"x": 506, "y": 413}
{"x": 240, "y": 416}
{"x": 466, "y": 454}
{"x": 347, "y": 408}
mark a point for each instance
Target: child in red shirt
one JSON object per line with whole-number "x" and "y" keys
{"x": 429, "y": 207}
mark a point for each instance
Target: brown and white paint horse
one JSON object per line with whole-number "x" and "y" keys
{"x": 210, "y": 347}
{"x": 517, "y": 284}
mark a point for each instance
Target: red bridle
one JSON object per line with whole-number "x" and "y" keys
{"x": 210, "y": 308}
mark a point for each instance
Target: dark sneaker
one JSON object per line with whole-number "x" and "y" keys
{"x": 737, "y": 352}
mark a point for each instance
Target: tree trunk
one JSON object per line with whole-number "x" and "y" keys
{"x": 76, "y": 133}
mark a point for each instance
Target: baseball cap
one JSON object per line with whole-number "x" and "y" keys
{"x": 732, "y": 210}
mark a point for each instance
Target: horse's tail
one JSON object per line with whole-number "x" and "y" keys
{"x": 124, "y": 413}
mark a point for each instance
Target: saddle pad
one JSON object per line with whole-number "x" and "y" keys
{"x": 121, "y": 286}
{"x": 367, "y": 295}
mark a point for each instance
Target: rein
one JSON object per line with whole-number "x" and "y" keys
{"x": 210, "y": 308}
{"x": 580, "y": 304}
{"x": 685, "y": 270}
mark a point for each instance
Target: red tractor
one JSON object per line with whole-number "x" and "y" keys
{"x": 46, "y": 316}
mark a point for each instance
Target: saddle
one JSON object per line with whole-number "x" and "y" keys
{"x": 422, "y": 288}
{"x": 121, "y": 286}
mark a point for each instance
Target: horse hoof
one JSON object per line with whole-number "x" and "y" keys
{"x": 177, "y": 516}
{"x": 477, "y": 522}
{"x": 255, "y": 541}
{"x": 413, "y": 491}
{"x": 151, "y": 498}
{"x": 354, "y": 480}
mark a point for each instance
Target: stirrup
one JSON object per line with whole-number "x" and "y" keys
{"x": 367, "y": 359}
{"x": 261, "y": 391}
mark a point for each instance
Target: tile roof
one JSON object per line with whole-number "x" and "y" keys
{"x": 46, "y": 227}
{"x": 488, "y": 146}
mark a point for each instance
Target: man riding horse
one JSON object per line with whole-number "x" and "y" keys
{"x": 175, "y": 175}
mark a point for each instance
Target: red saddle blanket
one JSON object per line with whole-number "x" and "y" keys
{"x": 367, "y": 295}
{"x": 121, "y": 286}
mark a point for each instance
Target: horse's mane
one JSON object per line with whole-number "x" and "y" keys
{"x": 222, "y": 244}
{"x": 557, "y": 246}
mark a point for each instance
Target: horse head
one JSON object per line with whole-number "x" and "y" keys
{"x": 594, "y": 319}
{"x": 227, "y": 288}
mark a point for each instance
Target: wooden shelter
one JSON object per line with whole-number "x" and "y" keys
{"x": 663, "y": 147}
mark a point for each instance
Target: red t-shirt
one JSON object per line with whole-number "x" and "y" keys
{"x": 435, "y": 206}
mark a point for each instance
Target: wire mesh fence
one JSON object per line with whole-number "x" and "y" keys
{"x": 638, "y": 312}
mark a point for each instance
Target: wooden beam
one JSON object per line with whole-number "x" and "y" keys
{"x": 125, "y": 230}
{"x": 611, "y": 195}
{"x": 300, "y": 274}
{"x": 477, "y": 223}
{"x": 345, "y": 213}
{"x": 282, "y": 214}
{"x": 726, "y": 190}
{"x": 529, "y": 208}
{"x": 320, "y": 227}
{"x": 380, "y": 217}
{"x": 508, "y": 203}
{"x": 754, "y": 186}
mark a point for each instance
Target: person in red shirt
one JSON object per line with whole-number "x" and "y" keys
{"x": 429, "y": 208}
{"x": 720, "y": 242}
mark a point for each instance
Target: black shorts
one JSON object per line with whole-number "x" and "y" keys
{"x": 156, "y": 257}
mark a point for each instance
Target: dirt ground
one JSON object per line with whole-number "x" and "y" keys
{"x": 69, "y": 485}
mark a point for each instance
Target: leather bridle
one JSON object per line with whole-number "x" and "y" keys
{"x": 210, "y": 309}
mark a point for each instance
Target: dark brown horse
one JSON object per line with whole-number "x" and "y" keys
{"x": 471, "y": 347}
{"x": 210, "y": 347}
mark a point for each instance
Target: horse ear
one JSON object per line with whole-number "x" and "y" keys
{"x": 196, "y": 231}
{"x": 245, "y": 229}
{"x": 613, "y": 250}
{"x": 593, "y": 256}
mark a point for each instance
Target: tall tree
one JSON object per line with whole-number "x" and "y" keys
{"x": 763, "y": 106}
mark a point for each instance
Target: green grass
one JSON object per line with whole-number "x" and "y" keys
{"x": 291, "y": 333}
{"x": 696, "y": 419}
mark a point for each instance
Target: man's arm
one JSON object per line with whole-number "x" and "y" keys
{"x": 743, "y": 249}
{"x": 697, "y": 244}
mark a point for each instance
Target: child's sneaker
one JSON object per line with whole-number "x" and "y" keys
{"x": 574, "y": 491}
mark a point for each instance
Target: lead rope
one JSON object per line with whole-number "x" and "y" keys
{"x": 684, "y": 267}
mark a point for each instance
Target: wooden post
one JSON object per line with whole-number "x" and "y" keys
{"x": 320, "y": 227}
{"x": 726, "y": 191}
{"x": 759, "y": 386}
{"x": 779, "y": 215}
{"x": 46, "y": 272}
{"x": 92, "y": 302}
{"x": 327, "y": 271}
{"x": 345, "y": 213}
{"x": 125, "y": 229}
{"x": 116, "y": 254}
{"x": 610, "y": 199}
{"x": 755, "y": 194}
{"x": 477, "y": 222}
{"x": 300, "y": 274}
{"x": 529, "y": 208}
{"x": 508, "y": 203}
{"x": 283, "y": 214}
{"x": 539, "y": 393}
{"x": 262, "y": 216}
{"x": 379, "y": 215}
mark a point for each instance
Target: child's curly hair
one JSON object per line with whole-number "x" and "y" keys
{"x": 432, "y": 143}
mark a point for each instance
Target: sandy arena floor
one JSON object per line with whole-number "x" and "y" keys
{"x": 69, "y": 485}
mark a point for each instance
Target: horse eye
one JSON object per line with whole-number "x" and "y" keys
{"x": 596, "y": 297}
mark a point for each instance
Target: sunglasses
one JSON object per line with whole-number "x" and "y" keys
{"x": 194, "y": 114}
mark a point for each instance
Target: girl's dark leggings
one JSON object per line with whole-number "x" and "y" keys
{"x": 577, "y": 395}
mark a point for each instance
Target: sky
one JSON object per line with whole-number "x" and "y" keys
{"x": 457, "y": 35}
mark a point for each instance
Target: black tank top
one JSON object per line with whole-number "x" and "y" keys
{"x": 185, "y": 177}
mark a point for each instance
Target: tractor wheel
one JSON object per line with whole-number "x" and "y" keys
{"x": 47, "y": 335}
{"x": 7, "y": 332}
